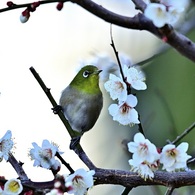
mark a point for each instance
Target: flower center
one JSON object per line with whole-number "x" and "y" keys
{"x": 14, "y": 186}
{"x": 46, "y": 154}
{"x": 143, "y": 148}
{"x": 78, "y": 182}
{"x": 172, "y": 153}
{"x": 125, "y": 108}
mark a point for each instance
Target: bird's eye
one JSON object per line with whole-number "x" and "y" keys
{"x": 85, "y": 74}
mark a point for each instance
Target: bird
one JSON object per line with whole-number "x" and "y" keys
{"x": 82, "y": 101}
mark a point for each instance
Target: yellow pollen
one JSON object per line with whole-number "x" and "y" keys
{"x": 13, "y": 186}
{"x": 172, "y": 152}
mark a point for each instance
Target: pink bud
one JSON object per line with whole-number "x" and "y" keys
{"x": 10, "y": 4}
{"x": 34, "y": 5}
{"x": 60, "y": 6}
{"x": 25, "y": 16}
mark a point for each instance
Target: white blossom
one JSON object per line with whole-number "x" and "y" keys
{"x": 13, "y": 187}
{"x": 166, "y": 12}
{"x": 116, "y": 87}
{"x": 157, "y": 13}
{"x": 135, "y": 78}
{"x": 144, "y": 169}
{"x": 124, "y": 112}
{"x": 145, "y": 156}
{"x": 143, "y": 149}
{"x": 81, "y": 180}
{"x": 44, "y": 156}
{"x": 6, "y": 144}
{"x": 174, "y": 158}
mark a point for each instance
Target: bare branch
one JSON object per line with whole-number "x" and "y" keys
{"x": 131, "y": 180}
{"x": 126, "y": 191}
{"x": 26, "y": 182}
{"x": 18, "y": 167}
{"x": 186, "y": 131}
{"x": 117, "y": 58}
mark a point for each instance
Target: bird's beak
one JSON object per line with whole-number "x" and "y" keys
{"x": 98, "y": 71}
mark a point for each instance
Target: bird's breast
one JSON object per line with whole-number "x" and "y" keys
{"x": 81, "y": 110}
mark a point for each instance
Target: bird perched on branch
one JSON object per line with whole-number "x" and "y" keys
{"x": 81, "y": 101}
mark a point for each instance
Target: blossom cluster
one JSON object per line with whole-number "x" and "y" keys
{"x": 165, "y": 12}
{"x": 77, "y": 183}
{"x": 118, "y": 87}
{"x": 147, "y": 158}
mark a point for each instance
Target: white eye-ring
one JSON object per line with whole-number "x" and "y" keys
{"x": 86, "y": 73}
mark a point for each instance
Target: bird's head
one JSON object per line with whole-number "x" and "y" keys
{"x": 87, "y": 80}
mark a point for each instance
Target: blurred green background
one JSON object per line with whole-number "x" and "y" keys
{"x": 167, "y": 107}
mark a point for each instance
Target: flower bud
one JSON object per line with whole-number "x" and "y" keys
{"x": 25, "y": 16}
{"x": 10, "y": 4}
{"x": 60, "y": 6}
{"x": 34, "y": 5}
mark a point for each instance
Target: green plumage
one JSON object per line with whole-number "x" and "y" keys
{"x": 82, "y": 100}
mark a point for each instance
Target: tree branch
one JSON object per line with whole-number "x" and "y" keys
{"x": 131, "y": 180}
{"x": 186, "y": 131}
{"x": 18, "y": 168}
{"x": 139, "y": 22}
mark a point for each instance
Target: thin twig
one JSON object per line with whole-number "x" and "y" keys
{"x": 141, "y": 130}
{"x": 65, "y": 163}
{"x": 149, "y": 59}
{"x": 118, "y": 61}
{"x": 169, "y": 190}
{"x": 116, "y": 54}
{"x": 186, "y": 131}
{"x": 126, "y": 190}
{"x": 190, "y": 161}
{"x": 25, "y": 5}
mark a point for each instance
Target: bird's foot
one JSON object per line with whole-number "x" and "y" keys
{"x": 74, "y": 142}
{"x": 57, "y": 109}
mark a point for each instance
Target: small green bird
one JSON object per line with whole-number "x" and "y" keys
{"x": 81, "y": 101}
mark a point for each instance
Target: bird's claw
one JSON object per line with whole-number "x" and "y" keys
{"x": 74, "y": 142}
{"x": 57, "y": 109}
